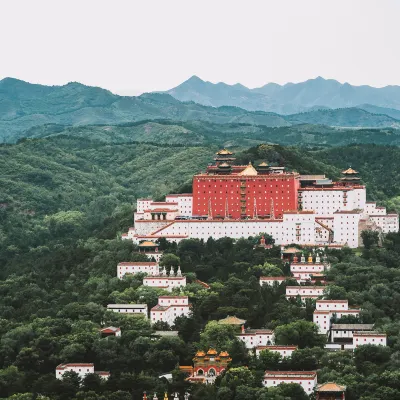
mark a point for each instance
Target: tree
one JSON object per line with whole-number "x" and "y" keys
{"x": 169, "y": 260}
{"x": 217, "y": 336}
{"x": 301, "y": 333}
{"x": 370, "y": 239}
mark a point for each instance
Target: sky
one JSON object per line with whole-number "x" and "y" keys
{"x": 134, "y": 46}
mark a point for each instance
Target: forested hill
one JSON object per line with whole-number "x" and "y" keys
{"x": 64, "y": 202}
{"x": 24, "y": 105}
{"x": 67, "y": 180}
{"x": 189, "y": 133}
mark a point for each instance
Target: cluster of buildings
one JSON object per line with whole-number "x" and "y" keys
{"x": 245, "y": 200}
{"x": 168, "y": 307}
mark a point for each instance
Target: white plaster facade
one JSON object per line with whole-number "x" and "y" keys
{"x": 184, "y": 201}
{"x": 132, "y": 268}
{"x": 257, "y": 337}
{"x": 363, "y": 338}
{"x": 284, "y": 351}
{"x": 304, "y": 270}
{"x": 275, "y": 280}
{"x": 306, "y": 379}
{"x": 305, "y": 292}
{"x": 129, "y": 309}
{"x": 169, "y": 308}
{"x": 82, "y": 369}
{"x": 165, "y": 282}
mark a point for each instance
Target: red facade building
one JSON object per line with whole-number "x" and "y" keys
{"x": 233, "y": 191}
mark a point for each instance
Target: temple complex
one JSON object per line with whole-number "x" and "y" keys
{"x": 248, "y": 200}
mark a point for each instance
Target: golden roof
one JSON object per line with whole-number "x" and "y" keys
{"x": 224, "y": 165}
{"x": 249, "y": 171}
{"x": 147, "y": 243}
{"x": 232, "y": 321}
{"x": 211, "y": 352}
{"x": 200, "y": 354}
{"x": 224, "y": 354}
{"x": 263, "y": 164}
{"x": 224, "y": 152}
{"x": 350, "y": 171}
{"x": 331, "y": 387}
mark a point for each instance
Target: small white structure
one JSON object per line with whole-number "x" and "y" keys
{"x": 305, "y": 292}
{"x": 131, "y": 268}
{"x": 304, "y": 270}
{"x": 110, "y": 331}
{"x": 361, "y": 338}
{"x": 169, "y": 308}
{"x": 306, "y": 379}
{"x": 344, "y": 332}
{"x": 130, "y": 309}
{"x": 82, "y": 369}
{"x": 165, "y": 281}
{"x": 327, "y": 309}
{"x": 272, "y": 280}
{"x": 256, "y": 337}
{"x": 284, "y": 351}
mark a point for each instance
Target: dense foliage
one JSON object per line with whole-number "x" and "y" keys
{"x": 64, "y": 202}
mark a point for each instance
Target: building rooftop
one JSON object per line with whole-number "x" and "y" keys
{"x": 126, "y": 305}
{"x": 290, "y": 374}
{"x": 352, "y": 327}
{"x": 147, "y": 243}
{"x": 330, "y": 387}
{"x": 232, "y": 321}
{"x": 369, "y": 333}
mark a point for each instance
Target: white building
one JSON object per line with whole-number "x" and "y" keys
{"x": 184, "y": 201}
{"x": 361, "y": 338}
{"x": 256, "y": 337}
{"x": 284, "y": 351}
{"x": 344, "y": 332}
{"x": 164, "y": 281}
{"x": 328, "y": 213}
{"x": 272, "y": 280}
{"x": 129, "y": 309}
{"x": 169, "y": 308}
{"x": 304, "y": 270}
{"x": 306, "y": 379}
{"x": 131, "y": 268}
{"x": 328, "y": 309}
{"x": 82, "y": 369}
{"x": 305, "y": 292}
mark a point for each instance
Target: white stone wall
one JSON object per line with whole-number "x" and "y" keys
{"x": 293, "y": 291}
{"x": 171, "y": 308}
{"x": 137, "y": 267}
{"x": 304, "y": 271}
{"x": 143, "y": 204}
{"x": 125, "y": 309}
{"x": 306, "y": 383}
{"x": 360, "y": 339}
{"x": 345, "y": 227}
{"x": 284, "y": 351}
{"x": 256, "y": 339}
{"x": 388, "y": 223}
{"x": 81, "y": 369}
{"x": 185, "y": 203}
{"x": 331, "y": 305}
{"x": 165, "y": 282}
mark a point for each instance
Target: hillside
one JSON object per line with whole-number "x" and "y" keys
{"x": 191, "y": 133}
{"x": 64, "y": 202}
{"x": 24, "y": 106}
{"x": 289, "y": 98}
{"x": 344, "y": 117}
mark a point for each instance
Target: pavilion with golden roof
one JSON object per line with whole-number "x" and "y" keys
{"x": 330, "y": 391}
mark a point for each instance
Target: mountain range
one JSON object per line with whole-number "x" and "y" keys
{"x": 289, "y": 98}
{"x": 24, "y": 105}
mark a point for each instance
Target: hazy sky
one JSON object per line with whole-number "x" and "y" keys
{"x": 130, "y": 46}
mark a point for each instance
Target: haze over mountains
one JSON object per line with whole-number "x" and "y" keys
{"x": 289, "y": 98}
{"x": 24, "y": 106}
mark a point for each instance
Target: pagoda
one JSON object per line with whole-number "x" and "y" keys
{"x": 350, "y": 177}
{"x": 224, "y": 156}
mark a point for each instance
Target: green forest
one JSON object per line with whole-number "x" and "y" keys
{"x": 64, "y": 202}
